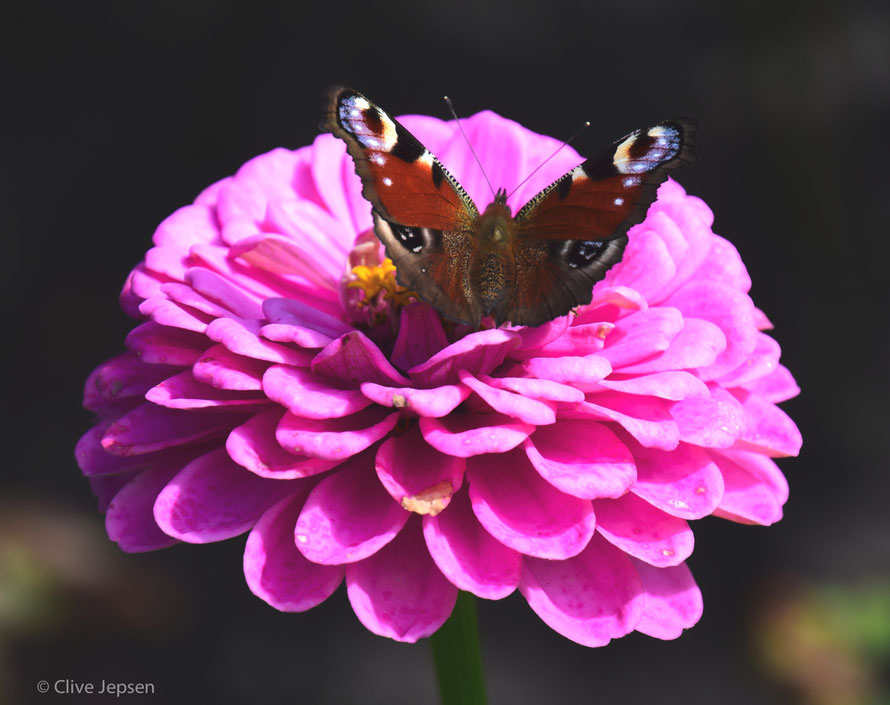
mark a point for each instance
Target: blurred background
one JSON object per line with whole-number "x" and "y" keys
{"x": 117, "y": 113}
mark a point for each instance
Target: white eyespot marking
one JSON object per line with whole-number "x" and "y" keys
{"x": 387, "y": 181}
{"x": 426, "y": 159}
{"x": 618, "y": 201}
{"x": 417, "y": 249}
{"x": 631, "y": 181}
{"x": 378, "y": 159}
{"x": 578, "y": 173}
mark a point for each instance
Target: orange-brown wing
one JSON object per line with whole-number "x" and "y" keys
{"x": 403, "y": 181}
{"x": 571, "y": 233}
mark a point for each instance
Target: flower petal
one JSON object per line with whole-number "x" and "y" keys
{"x": 348, "y": 516}
{"x": 642, "y": 531}
{"x": 309, "y": 396}
{"x": 183, "y": 391}
{"x": 755, "y": 487}
{"x": 543, "y": 389}
{"x": 334, "y": 439}
{"x": 641, "y": 335}
{"x": 579, "y": 371}
{"x": 645, "y": 418}
{"x": 352, "y": 359}
{"x": 479, "y": 352}
{"x": 697, "y": 345}
{"x": 221, "y": 368}
{"x": 122, "y": 379}
{"x": 439, "y": 401}
{"x": 468, "y": 555}
{"x": 420, "y": 336}
{"x": 775, "y": 387}
{"x": 530, "y": 411}
{"x": 276, "y": 571}
{"x": 591, "y": 599}
{"x": 416, "y": 475}
{"x": 582, "y": 458}
{"x": 241, "y": 336}
{"x": 673, "y": 385}
{"x": 672, "y": 603}
{"x": 523, "y": 511}
{"x": 399, "y": 592}
{"x": 212, "y": 498}
{"x": 712, "y": 422}
{"x": 162, "y": 345}
{"x": 768, "y": 430}
{"x": 468, "y": 434}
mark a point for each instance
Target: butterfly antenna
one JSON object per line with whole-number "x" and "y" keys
{"x": 535, "y": 170}
{"x": 457, "y": 120}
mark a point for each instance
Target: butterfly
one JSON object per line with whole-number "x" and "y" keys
{"x": 527, "y": 269}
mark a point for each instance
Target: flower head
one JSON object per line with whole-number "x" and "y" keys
{"x": 281, "y": 383}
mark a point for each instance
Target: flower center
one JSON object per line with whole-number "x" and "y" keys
{"x": 380, "y": 279}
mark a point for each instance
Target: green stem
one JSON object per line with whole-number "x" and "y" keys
{"x": 458, "y": 657}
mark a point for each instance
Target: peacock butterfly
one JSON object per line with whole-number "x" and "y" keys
{"x": 527, "y": 269}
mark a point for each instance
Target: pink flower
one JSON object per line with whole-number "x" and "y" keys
{"x": 361, "y": 438}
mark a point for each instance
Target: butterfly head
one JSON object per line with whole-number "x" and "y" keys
{"x": 500, "y": 198}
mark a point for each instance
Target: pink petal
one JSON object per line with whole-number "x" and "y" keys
{"x": 617, "y": 296}
{"x": 642, "y": 531}
{"x": 399, "y": 592}
{"x": 530, "y": 411}
{"x": 222, "y": 292}
{"x": 416, "y": 475}
{"x": 724, "y": 264}
{"x": 585, "y": 338}
{"x": 276, "y": 571}
{"x": 776, "y": 387}
{"x": 334, "y": 439}
{"x": 186, "y": 226}
{"x": 183, "y": 391}
{"x": 468, "y": 555}
{"x": 673, "y": 385}
{"x": 672, "y": 603}
{"x": 170, "y": 313}
{"x": 538, "y": 336}
{"x": 645, "y": 418}
{"x": 647, "y": 265}
{"x": 578, "y": 371}
{"x": 296, "y": 313}
{"x": 212, "y": 499}
{"x": 225, "y": 370}
{"x": 253, "y": 445}
{"x": 93, "y": 460}
{"x": 328, "y": 154}
{"x": 105, "y": 487}
{"x": 478, "y": 353}
{"x": 731, "y": 310}
{"x": 306, "y": 222}
{"x": 309, "y": 396}
{"x": 439, "y": 401}
{"x": 283, "y": 255}
{"x": 543, "y": 389}
{"x": 348, "y": 516}
{"x": 769, "y": 430}
{"x": 523, "y": 511}
{"x": 712, "y": 422}
{"x": 685, "y": 482}
{"x": 241, "y": 337}
{"x": 582, "y": 458}
{"x": 353, "y": 359}
{"x": 150, "y": 427}
{"x": 591, "y": 599}
{"x": 641, "y": 335}
{"x": 161, "y": 345}
{"x": 755, "y": 488}
{"x": 465, "y": 435}
{"x": 122, "y": 379}
{"x": 420, "y": 336}
{"x": 697, "y": 345}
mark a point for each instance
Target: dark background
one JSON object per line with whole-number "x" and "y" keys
{"x": 114, "y": 114}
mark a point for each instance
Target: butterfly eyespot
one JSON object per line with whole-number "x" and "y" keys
{"x": 583, "y": 252}
{"x": 411, "y": 238}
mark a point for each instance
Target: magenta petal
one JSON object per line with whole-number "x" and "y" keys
{"x": 760, "y": 363}
{"x": 642, "y": 334}
{"x": 587, "y": 338}
{"x": 544, "y": 389}
{"x": 697, "y": 345}
{"x": 539, "y": 336}
{"x": 399, "y": 592}
{"x": 591, "y": 599}
{"x": 253, "y": 445}
{"x": 93, "y": 460}
{"x": 353, "y": 359}
{"x": 579, "y": 371}
{"x": 304, "y": 394}
{"x": 186, "y": 226}
{"x": 769, "y": 429}
{"x": 221, "y": 368}
{"x": 724, "y": 264}
{"x": 222, "y": 292}
{"x": 169, "y": 313}
{"x": 713, "y": 422}
{"x": 284, "y": 255}
{"x": 647, "y": 265}
{"x": 755, "y": 487}
{"x": 161, "y": 345}
{"x": 465, "y": 435}
{"x": 122, "y": 379}
{"x": 105, "y": 487}
{"x": 673, "y": 385}
{"x": 212, "y": 498}
{"x": 416, "y": 475}
{"x": 298, "y": 314}
{"x": 582, "y": 458}
{"x": 645, "y": 418}
{"x": 672, "y": 603}
{"x": 778, "y": 386}
{"x": 519, "y": 407}
{"x": 334, "y": 439}
{"x": 183, "y": 391}
{"x": 642, "y": 531}
{"x": 420, "y": 336}
{"x": 468, "y": 555}
{"x": 685, "y": 482}
{"x": 241, "y": 337}
{"x": 130, "y": 520}
{"x": 348, "y": 516}
{"x": 439, "y": 401}
{"x": 150, "y": 427}
{"x": 276, "y": 571}
{"x": 478, "y": 353}
{"x": 523, "y": 511}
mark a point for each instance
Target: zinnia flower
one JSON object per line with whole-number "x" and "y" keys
{"x": 281, "y": 383}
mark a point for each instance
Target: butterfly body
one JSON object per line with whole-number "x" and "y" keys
{"x": 526, "y": 269}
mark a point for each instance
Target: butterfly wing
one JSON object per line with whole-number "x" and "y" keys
{"x": 422, "y": 215}
{"x": 571, "y": 233}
